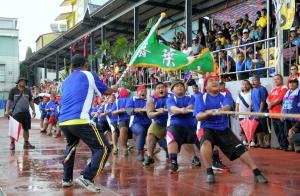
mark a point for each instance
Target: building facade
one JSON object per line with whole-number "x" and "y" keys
{"x": 9, "y": 55}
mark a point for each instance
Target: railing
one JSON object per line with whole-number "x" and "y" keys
{"x": 263, "y": 50}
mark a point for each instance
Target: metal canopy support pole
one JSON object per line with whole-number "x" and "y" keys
{"x": 45, "y": 69}
{"x": 188, "y": 22}
{"x": 92, "y": 60}
{"x": 56, "y": 67}
{"x": 136, "y": 24}
{"x": 103, "y": 34}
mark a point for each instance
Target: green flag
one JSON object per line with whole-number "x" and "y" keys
{"x": 151, "y": 53}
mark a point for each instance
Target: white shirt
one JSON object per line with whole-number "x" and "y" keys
{"x": 242, "y": 107}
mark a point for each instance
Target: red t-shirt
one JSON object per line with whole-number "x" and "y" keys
{"x": 277, "y": 93}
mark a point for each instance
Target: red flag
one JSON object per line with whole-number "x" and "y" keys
{"x": 14, "y": 128}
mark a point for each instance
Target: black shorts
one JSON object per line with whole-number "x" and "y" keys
{"x": 25, "y": 119}
{"x": 181, "y": 135}
{"x": 227, "y": 142}
{"x": 124, "y": 124}
{"x": 103, "y": 126}
{"x": 115, "y": 127}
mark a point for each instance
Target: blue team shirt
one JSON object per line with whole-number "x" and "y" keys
{"x": 110, "y": 117}
{"x": 259, "y": 95}
{"x": 77, "y": 95}
{"x": 205, "y": 102}
{"x": 42, "y": 107}
{"x": 95, "y": 109}
{"x": 160, "y": 103}
{"x": 291, "y": 103}
{"x": 119, "y": 104}
{"x": 184, "y": 120}
{"x": 51, "y": 108}
{"x": 138, "y": 118}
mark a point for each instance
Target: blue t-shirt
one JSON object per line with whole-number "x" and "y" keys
{"x": 51, "y": 108}
{"x": 42, "y": 107}
{"x": 248, "y": 63}
{"x": 184, "y": 120}
{"x": 194, "y": 97}
{"x": 259, "y": 95}
{"x": 110, "y": 117}
{"x": 205, "y": 102}
{"x": 138, "y": 118}
{"x": 95, "y": 109}
{"x": 240, "y": 66}
{"x": 119, "y": 104}
{"x": 291, "y": 103}
{"x": 77, "y": 95}
{"x": 161, "y": 103}
{"x": 102, "y": 110}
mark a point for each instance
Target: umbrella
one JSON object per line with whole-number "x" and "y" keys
{"x": 249, "y": 127}
{"x": 44, "y": 95}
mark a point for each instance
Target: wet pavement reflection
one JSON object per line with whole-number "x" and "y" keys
{"x": 39, "y": 172}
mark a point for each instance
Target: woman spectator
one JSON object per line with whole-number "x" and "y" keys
{"x": 201, "y": 39}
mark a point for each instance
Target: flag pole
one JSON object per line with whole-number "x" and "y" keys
{"x": 133, "y": 58}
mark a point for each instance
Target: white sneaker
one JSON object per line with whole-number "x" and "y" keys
{"x": 245, "y": 143}
{"x": 89, "y": 185}
{"x": 252, "y": 144}
{"x": 67, "y": 183}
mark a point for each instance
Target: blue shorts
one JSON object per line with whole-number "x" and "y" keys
{"x": 43, "y": 116}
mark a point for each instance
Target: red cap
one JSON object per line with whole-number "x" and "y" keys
{"x": 123, "y": 93}
{"x": 140, "y": 88}
{"x": 45, "y": 97}
{"x": 206, "y": 79}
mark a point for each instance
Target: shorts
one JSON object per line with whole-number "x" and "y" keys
{"x": 181, "y": 135}
{"x": 124, "y": 124}
{"x": 52, "y": 119}
{"x": 227, "y": 142}
{"x": 103, "y": 126}
{"x": 157, "y": 130}
{"x": 114, "y": 128}
{"x": 43, "y": 116}
{"x": 25, "y": 119}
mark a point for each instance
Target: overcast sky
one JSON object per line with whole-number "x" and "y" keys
{"x": 34, "y": 18}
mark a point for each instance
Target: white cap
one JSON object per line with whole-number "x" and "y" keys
{"x": 292, "y": 29}
{"x": 220, "y": 32}
{"x": 245, "y": 31}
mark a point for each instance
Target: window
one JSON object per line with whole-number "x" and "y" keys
{"x": 2, "y": 72}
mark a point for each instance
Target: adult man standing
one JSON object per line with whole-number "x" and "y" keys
{"x": 259, "y": 96}
{"x": 217, "y": 131}
{"x": 274, "y": 101}
{"x": 22, "y": 99}
{"x": 77, "y": 97}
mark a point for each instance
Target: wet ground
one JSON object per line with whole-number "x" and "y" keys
{"x": 39, "y": 172}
